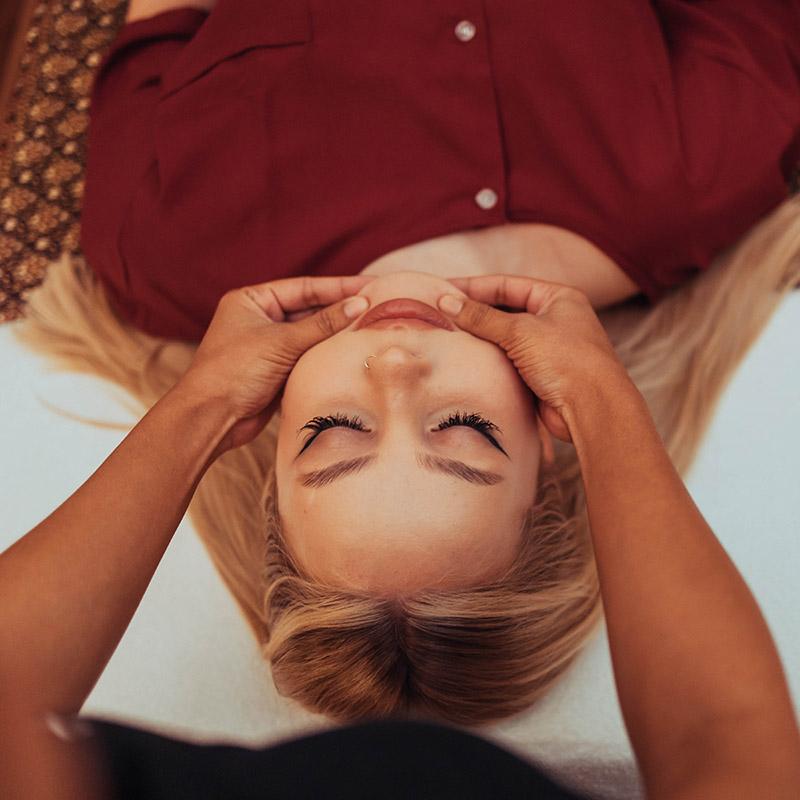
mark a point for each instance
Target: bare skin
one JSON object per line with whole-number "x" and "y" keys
{"x": 141, "y": 9}
{"x": 416, "y": 379}
{"x": 526, "y": 249}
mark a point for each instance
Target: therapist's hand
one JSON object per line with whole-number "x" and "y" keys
{"x": 557, "y": 344}
{"x": 254, "y": 339}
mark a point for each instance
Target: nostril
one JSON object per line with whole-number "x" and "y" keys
{"x": 397, "y": 360}
{"x": 401, "y": 348}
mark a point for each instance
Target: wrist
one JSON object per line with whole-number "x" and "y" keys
{"x": 602, "y": 405}
{"x": 194, "y": 395}
{"x": 209, "y": 419}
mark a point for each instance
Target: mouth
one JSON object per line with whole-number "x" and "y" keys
{"x": 407, "y": 309}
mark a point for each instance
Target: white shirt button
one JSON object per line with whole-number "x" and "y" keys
{"x": 465, "y": 30}
{"x": 486, "y": 198}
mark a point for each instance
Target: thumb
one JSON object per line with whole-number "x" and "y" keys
{"x": 554, "y": 423}
{"x": 477, "y": 318}
{"x": 306, "y": 332}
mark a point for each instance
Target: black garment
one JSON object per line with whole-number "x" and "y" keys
{"x": 387, "y": 760}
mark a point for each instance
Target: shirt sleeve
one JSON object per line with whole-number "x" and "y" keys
{"x": 120, "y": 145}
{"x": 736, "y": 72}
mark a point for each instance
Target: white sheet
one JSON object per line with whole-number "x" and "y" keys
{"x": 188, "y": 665}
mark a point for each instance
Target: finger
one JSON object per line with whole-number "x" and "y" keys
{"x": 278, "y": 298}
{"x": 459, "y": 283}
{"x": 294, "y": 316}
{"x": 311, "y": 330}
{"x": 478, "y": 318}
{"x": 554, "y": 423}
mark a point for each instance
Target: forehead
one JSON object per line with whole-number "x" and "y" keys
{"x": 402, "y": 557}
{"x": 402, "y": 531}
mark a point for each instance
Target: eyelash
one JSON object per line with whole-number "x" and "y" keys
{"x": 457, "y": 418}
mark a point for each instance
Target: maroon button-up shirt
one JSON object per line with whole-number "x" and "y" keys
{"x": 272, "y": 138}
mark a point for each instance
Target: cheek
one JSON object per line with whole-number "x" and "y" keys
{"x": 491, "y": 367}
{"x": 322, "y": 365}
{"x": 519, "y": 408}
{"x": 515, "y": 389}
{"x": 298, "y": 379}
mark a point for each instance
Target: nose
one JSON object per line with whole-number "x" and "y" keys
{"x": 397, "y": 364}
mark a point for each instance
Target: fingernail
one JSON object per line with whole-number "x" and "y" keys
{"x": 450, "y": 304}
{"x": 355, "y": 305}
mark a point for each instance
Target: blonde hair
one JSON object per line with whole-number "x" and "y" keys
{"x": 468, "y": 656}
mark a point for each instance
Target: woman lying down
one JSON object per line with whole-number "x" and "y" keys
{"x": 438, "y": 589}
{"x": 429, "y": 513}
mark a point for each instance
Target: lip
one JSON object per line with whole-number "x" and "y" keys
{"x": 405, "y": 308}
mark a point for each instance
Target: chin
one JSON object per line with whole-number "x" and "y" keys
{"x": 416, "y": 285}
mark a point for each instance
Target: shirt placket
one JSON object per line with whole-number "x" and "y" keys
{"x": 472, "y": 60}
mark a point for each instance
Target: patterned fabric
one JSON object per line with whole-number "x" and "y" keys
{"x": 42, "y": 141}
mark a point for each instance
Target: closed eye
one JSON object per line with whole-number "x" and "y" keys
{"x": 457, "y": 419}
{"x": 319, "y": 424}
{"x": 473, "y": 420}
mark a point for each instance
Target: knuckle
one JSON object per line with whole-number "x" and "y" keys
{"x": 309, "y": 291}
{"x": 504, "y": 289}
{"x": 498, "y": 291}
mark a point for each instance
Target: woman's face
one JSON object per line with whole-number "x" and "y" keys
{"x": 407, "y": 502}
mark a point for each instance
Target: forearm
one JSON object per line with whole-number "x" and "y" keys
{"x": 71, "y": 585}
{"x": 34, "y": 763}
{"x": 697, "y": 672}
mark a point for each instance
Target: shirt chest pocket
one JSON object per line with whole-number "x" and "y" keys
{"x": 217, "y": 168}
{"x": 234, "y": 41}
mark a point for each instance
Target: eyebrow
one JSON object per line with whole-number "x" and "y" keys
{"x": 434, "y": 463}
